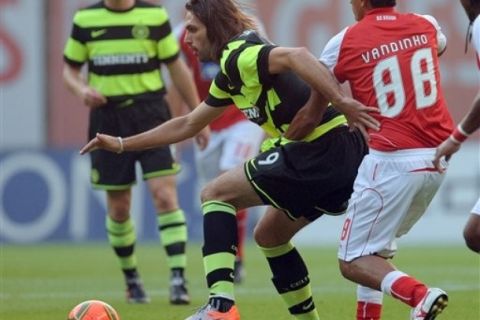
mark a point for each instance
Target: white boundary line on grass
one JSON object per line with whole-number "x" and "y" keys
{"x": 252, "y": 291}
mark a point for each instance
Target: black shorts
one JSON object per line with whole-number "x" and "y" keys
{"x": 111, "y": 171}
{"x": 309, "y": 178}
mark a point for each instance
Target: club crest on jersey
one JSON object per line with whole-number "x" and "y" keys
{"x": 140, "y": 31}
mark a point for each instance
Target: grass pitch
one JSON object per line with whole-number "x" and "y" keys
{"x": 44, "y": 282}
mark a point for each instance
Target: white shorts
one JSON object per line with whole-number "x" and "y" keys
{"x": 476, "y": 208}
{"x": 228, "y": 149}
{"x": 391, "y": 192}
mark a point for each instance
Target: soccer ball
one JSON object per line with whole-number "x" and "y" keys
{"x": 93, "y": 310}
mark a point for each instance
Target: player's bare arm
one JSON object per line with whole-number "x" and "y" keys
{"x": 467, "y": 126}
{"x": 305, "y": 65}
{"x": 471, "y": 122}
{"x": 172, "y": 131}
{"x": 307, "y": 118}
{"x": 76, "y": 84}
{"x": 183, "y": 82}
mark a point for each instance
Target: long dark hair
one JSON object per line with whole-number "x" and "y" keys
{"x": 383, "y": 3}
{"x": 223, "y": 20}
{"x": 474, "y": 10}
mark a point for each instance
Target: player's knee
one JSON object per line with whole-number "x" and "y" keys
{"x": 210, "y": 192}
{"x": 260, "y": 236}
{"x": 165, "y": 199}
{"x": 119, "y": 205}
{"x": 268, "y": 235}
{"x": 472, "y": 239}
{"x": 346, "y": 268}
{"x": 471, "y": 233}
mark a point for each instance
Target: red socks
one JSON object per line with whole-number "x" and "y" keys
{"x": 408, "y": 290}
{"x": 368, "y": 311}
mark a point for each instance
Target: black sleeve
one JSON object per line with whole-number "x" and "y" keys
{"x": 264, "y": 76}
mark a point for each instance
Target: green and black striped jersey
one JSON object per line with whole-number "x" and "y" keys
{"x": 269, "y": 100}
{"x": 123, "y": 49}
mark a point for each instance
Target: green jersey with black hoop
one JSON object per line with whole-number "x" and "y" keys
{"x": 123, "y": 49}
{"x": 302, "y": 178}
{"x": 270, "y": 100}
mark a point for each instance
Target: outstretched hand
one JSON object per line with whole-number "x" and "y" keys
{"x": 446, "y": 149}
{"x": 103, "y": 141}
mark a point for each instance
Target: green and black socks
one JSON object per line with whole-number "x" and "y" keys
{"x": 122, "y": 238}
{"x": 173, "y": 236}
{"x": 290, "y": 278}
{"x": 220, "y": 247}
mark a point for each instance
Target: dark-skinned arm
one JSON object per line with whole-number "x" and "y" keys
{"x": 317, "y": 75}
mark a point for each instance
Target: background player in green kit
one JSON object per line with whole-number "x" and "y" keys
{"x": 300, "y": 180}
{"x": 124, "y": 42}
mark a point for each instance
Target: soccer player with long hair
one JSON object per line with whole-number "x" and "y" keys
{"x": 303, "y": 173}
